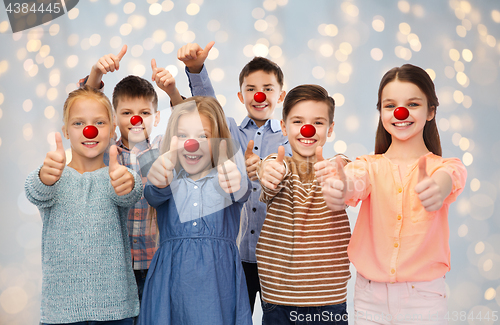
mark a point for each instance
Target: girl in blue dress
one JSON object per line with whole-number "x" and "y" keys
{"x": 196, "y": 275}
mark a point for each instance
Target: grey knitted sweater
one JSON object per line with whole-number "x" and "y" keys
{"x": 86, "y": 263}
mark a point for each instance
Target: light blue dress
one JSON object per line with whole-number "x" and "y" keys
{"x": 196, "y": 275}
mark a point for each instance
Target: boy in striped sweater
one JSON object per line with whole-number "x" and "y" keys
{"x": 302, "y": 249}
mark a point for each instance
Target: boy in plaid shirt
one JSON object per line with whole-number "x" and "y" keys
{"x": 135, "y": 102}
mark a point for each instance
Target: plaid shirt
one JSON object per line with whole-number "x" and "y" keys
{"x": 142, "y": 231}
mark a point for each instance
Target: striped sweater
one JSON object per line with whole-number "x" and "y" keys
{"x": 302, "y": 249}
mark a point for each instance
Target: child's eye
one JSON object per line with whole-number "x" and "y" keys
{"x": 101, "y": 123}
{"x": 203, "y": 136}
{"x": 181, "y": 135}
{"x": 297, "y": 122}
{"x": 318, "y": 123}
{"x": 414, "y": 105}
{"x": 389, "y": 106}
{"x": 250, "y": 89}
{"x": 146, "y": 113}
{"x": 77, "y": 123}
{"x": 126, "y": 113}
{"x": 268, "y": 89}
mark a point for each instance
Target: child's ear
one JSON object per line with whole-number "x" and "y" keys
{"x": 330, "y": 129}
{"x": 157, "y": 119}
{"x": 282, "y": 96}
{"x": 283, "y": 127}
{"x": 65, "y": 131}
{"x": 240, "y": 96}
{"x": 431, "y": 114}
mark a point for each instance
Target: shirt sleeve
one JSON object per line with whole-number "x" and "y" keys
{"x": 131, "y": 198}
{"x": 458, "y": 174}
{"x": 41, "y": 195}
{"x": 200, "y": 83}
{"x": 358, "y": 172}
{"x": 268, "y": 194}
{"x": 157, "y": 196}
{"x": 82, "y": 82}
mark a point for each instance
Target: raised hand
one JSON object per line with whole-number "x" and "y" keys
{"x": 54, "y": 163}
{"x": 163, "y": 78}
{"x": 110, "y": 62}
{"x": 229, "y": 175}
{"x": 194, "y": 56}
{"x": 161, "y": 172}
{"x": 121, "y": 179}
{"x": 252, "y": 161}
{"x": 334, "y": 187}
{"x": 272, "y": 172}
{"x": 429, "y": 192}
{"x": 323, "y": 168}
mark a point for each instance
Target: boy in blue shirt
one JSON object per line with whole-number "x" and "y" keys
{"x": 259, "y": 133}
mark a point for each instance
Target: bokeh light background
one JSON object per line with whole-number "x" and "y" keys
{"x": 345, "y": 46}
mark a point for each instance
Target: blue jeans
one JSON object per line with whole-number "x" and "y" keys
{"x": 125, "y": 321}
{"x": 280, "y": 315}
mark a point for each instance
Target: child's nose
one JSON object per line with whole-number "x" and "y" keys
{"x": 307, "y": 130}
{"x": 136, "y": 120}
{"x": 259, "y": 97}
{"x": 191, "y": 145}
{"x": 90, "y": 131}
{"x": 401, "y": 113}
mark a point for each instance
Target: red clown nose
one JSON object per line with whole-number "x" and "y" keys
{"x": 136, "y": 120}
{"x": 259, "y": 97}
{"x": 401, "y": 113}
{"x": 307, "y": 130}
{"x": 191, "y": 145}
{"x": 90, "y": 132}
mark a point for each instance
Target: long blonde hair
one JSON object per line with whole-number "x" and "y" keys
{"x": 211, "y": 109}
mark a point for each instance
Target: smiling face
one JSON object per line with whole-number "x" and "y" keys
{"x": 404, "y": 94}
{"x": 260, "y": 81}
{"x": 197, "y": 127}
{"x": 307, "y": 112}
{"x": 84, "y": 112}
{"x": 128, "y": 107}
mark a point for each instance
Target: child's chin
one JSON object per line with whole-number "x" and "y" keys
{"x": 136, "y": 138}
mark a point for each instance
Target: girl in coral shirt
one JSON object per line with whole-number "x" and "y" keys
{"x": 399, "y": 245}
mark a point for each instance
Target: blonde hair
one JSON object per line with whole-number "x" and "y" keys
{"x": 87, "y": 93}
{"x": 211, "y": 109}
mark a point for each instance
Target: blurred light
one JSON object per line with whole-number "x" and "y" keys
{"x": 115, "y": 42}
{"x": 27, "y": 131}
{"x": 331, "y": 137}
{"x": 495, "y": 15}
{"x": 318, "y": 72}
{"x": 85, "y": 44}
{"x": 54, "y": 78}
{"x": 404, "y": 6}
{"x": 221, "y": 99}
{"x": 72, "y": 61}
{"x": 475, "y": 185}
{"x": 41, "y": 89}
{"x": 115, "y": 2}
{"x": 248, "y": 50}
{"x": 463, "y": 230}
{"x": 272, "y": 20}
{"x": 431, "y": 73}
{"x": 2, "y": 98}
{"x": 125, "y": 29}
{"x": 490, "y": 294}
{"x": 444, "y": 125}
{"x": 464, "y": 143}
{"x": 352, "y": 123}
{"x": 173, "y": 70}
{"x": 188, "y": 37}
{"x": 331, "y": 30}
{"x": 48, "y": 62}
{"x": 491, "y": 41}
{"x": 346, "y": 48}
{"x": 54, "y": 29}
{"x": 377, "y": 54}
{"x": 340, "y": 56}
{"x": 260, "y": 50}
{"x": 454, "y": 55}
{"x": 462, "y": 78}
{"x": 213, "y": 54}
{"x": 260, "y": 25}
{"x": 167, "y": 5}
{"x": 340, "y": 146}
{"x": 73, "y": 39}
{"x": 449, "y": 72}
{"x": 21, "y": 54}
{"x": 479, "y": 248}
{"x": 111, "y": 19}
{"x": 467, "y": 103}
{"x": 73, "y": 13}
{"x": 270, "y": 5}
{"x": 159, "y": 35}
{"x": 418, "y": 11}
{"x": 459, "y": 66}
{"x": 129, "y": 8}
{"x": 137, "y": 21}
{"x": 378, "y": 23}
{"x": 49, "y": 112}
{"x": 33, "y": 45}
{"x": 139, "y": 70}
{"x": 467, "y": 159}
{"x": 69, "y": 155}
{"x": 167, "y": 47}
{"x": 339, "y": 99}
{"x": 214, "y": 25}
{"x": 221, "y": 36}
{"x": 275, "y": 51}
{"x": 217, "y": 74}
{"x": 403, "y": 52}
{"x": 258, "y": 13}
{"x": 4, "y": 66}
{"x": 137, "y": 51}
{"x": 4, "y": 26}
{"x": 155, "y": 9}
{"x": 192, "y": 9}
{"x": 44, "y": 51}
{"x": 483, "y": 31}
{"x": 467, "y": 55}
{"x": 95, "y": 39}
{"x": 458, "y": 96}
{"x": 326, "y": 50}
{"x": 461, "y": 31}
{"x": 455, "y": 138}
{"x": 13, "y": 300}
{"x": 342, "y": 77}
{"x": 52, "y": 94}
{"x": 181, "y": 27}
{"x": 465, "y": 6}
{"x": 404, "y": 28}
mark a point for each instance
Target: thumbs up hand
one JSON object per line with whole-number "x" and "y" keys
{"x": 272, "y": 172}
{"x": 323, "y": 168}
{"x": 163, "y": 79}
{"x": 334, "y": 187}
{"x": 121, "y": 179}
{"x": 229, "y": 175}
{"x": 252, "y": 161}
{"x": 161, "y": 172}
{"x": 110, "y": 62}
{"x": 194, "y": 56}
{"x": 429, "y": 192}
{"x": 54, "y": 163}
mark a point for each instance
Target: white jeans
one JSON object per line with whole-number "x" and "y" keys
{"x": 400, "y": 302}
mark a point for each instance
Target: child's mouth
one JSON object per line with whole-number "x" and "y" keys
{"x": 192, "y": 159}
{"x": 402, "y": 124}
{"x": 307, "y": 142}
{"x": 90, "y": 144}
{"x": 136, "y": 129}
{"x": 260, "y": 107}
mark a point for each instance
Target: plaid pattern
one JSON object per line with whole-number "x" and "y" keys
{"x": 142, "y": 231}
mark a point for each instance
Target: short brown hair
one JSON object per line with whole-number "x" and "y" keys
{"x": 308, "y": 92}
{"x": 259, "y": 63}
{"x": 86, "y": 92}
{"x": 132, "y": 87}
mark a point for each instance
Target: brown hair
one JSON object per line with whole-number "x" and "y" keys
{"x": 420, "y": 78}
{"x": 262, "y": 64}
{"x": 87, "y": 93}
{"x": 132, "y": 87}
{"x": 308, "y": 92}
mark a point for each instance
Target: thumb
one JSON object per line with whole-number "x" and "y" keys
{"x": 113, "y": 158}
{"x": 249, "y": 151}
{"x": 319, "y": 154}
{"x": 59, "y": 144}
{"x": 153, "y": 67}
{"x": 173, "y": 150}
{"x": 281, "y": 154}
{"x": 222, "y": 152}
{"x": 422, "y": 168}
{"x": 207, "y": 48}
{"x": 340, "y": 168}
{"x": 122, "y": 52}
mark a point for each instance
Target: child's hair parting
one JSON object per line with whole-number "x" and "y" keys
{"x": 133, "y": 87}
{"x": 86, "y": 92}
{"x": 262, "y": 64}
{"x": 210, "y": 108}
{"x": 308, "y": 92}
{"x": 420, "y": 78}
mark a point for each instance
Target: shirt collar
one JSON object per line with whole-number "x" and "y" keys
{"x": 273, "y": 124}
{"x": 185, "y": 175}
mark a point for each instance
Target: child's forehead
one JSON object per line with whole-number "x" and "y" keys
{"x": 87, "y": 106}
{"x": 309, "y": 108}
{"x": 260, "y": 77}
{"x": 134, "y": 103}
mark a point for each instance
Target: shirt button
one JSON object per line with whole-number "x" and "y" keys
{"x": 258, "y": 133}
{"x": 393, "y": 271}
{"x": 194, "y": 223}
{"x": 135, "y": 241}
{"x": 195, "y": 187}
{"x": 254, "y": 189}
{"x": 399, "y": 217}
{"x": 195, "y": 204}
{"x": 254, "y": 209}
{"x": 400, "y": 190}
{"x": 256, "y": 148}
{"x": 252, "y": 232}
{"x": 396, "y": 245}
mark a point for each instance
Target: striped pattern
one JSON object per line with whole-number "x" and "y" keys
{"x": 302, "y": 249}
